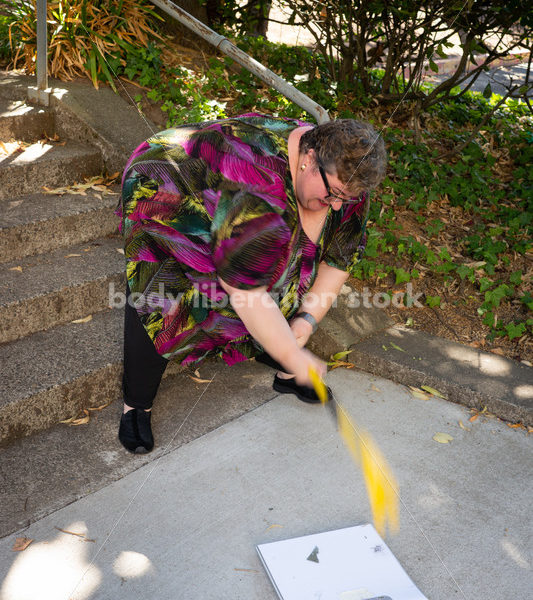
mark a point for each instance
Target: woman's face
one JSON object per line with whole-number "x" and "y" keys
{"x": 311, "y": 189}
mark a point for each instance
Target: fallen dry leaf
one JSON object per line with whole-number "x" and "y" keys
{"x": 84, "y": 320}
{"x": 418, "y": 393}
{"x": 120, "y": 250}
{"x": 198, "y": 380}
{"x": 498, "y": 351}
{"x": 273, "y": 526}
{"x": 54, "y": 138}
{"x": 197, "y": 373}
{"x": 101, "y": 407}
{"x": 442, "y": 438}
{"x": 515, "y": 425}
{"x": 433, "y": 391}
{"x": 80, "y": 535}
{"x": 462, "y": 426}
{"x": 78, "y": 420}
{"x": 82, "y": 420}
{"x": 19, "y": 269}
{"x": 340, "y": 363}
{"x": 93, "y": 183}
{"x": 21, "y": 543}
{"x": 71, "y": 255}
{"x": 473, "y": 417}
{"x": 375, "y": 388}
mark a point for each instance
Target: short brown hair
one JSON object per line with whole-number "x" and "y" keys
{"x": 350, "y": 148}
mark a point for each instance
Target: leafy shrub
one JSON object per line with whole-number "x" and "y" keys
{"x": 85, "y": 38}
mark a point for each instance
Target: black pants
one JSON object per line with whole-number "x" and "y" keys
{"x": 144, "y": 366}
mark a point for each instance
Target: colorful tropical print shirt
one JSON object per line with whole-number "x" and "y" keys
{"x": 212, "y": 200}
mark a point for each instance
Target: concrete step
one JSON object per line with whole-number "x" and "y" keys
{"x": 40, "y": 223}
{"x": 47, "y": 164}
{"x": 14, "y": 85}
{"x": 52, "y": 375}
{"x": 49, "y": 289}
{"x": 20, "y": 121}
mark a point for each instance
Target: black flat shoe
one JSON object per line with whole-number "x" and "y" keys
{"x": 135, "y": 431}
{"x": 304, "y": 393}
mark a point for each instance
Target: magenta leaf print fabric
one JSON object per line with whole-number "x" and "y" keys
{"x": 212, "y": 200}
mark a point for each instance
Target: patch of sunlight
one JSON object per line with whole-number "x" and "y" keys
{"x": 59, "y": 92}
{"x": 514, "y": 554}
{"x": 32, "y": 152}
{"x": 132, "y": 564}
{"x": 524, "y": 391}
{"x": 53, "y": 570}
{"x": 16, "y": 108}
{"x": 487, "y": 364}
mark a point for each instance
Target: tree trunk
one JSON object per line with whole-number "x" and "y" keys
{"x": 257, "y": 14}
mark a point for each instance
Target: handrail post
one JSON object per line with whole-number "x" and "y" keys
{"x": 42, "y": 46}
{"x": 40, "y": 94}
{"x": 225, "y": 46}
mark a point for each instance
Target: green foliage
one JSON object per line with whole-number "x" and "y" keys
{"x": 433, "y": 301}
{"x": 500, "y": 225}
{"x": 188, "y": 96}
{"x": 402, "y": 276}
{"x": 249, "y": 18}
{"x": 5, "y": 49}
{"x": 515, "y": 330}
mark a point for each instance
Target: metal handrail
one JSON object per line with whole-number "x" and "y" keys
{"x": 249, "y": 63}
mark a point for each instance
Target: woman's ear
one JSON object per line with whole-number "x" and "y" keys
{"x": 311, "y": 158}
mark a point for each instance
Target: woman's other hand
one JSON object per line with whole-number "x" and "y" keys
{"x": 301, "y": 330}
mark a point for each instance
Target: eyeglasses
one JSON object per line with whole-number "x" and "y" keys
{"x": 331, "y": 197}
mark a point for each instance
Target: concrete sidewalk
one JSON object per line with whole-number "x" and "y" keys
{"x": 186, "y": 524}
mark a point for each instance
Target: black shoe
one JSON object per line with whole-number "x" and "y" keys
{"x": 304, "y": 393}
{"x": 135, "y": 431}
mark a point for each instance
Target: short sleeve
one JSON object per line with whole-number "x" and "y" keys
{"x": 348, "y": 241}
{"x": 250, "y": 241}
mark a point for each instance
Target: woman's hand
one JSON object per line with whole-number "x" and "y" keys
{"x": 300, "y": 363}
{"x": 301, "y": 330}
